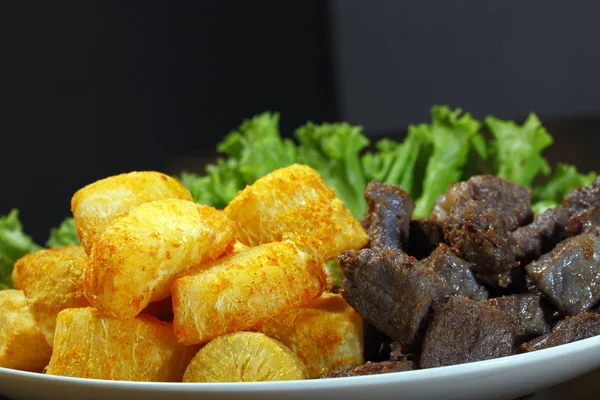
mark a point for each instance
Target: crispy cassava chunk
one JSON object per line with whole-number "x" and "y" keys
{"x": 244, "y": 357}
{"x": 22, "y": 345}
{"x": 245, "y": 289}
{"x": 295, "y": 203}
{"x": 98, "y": 204}
{"x": 89, "y": 345}
{"x": 52, "y": 280}
{"x": 135, "y": 259}
{"x": 326, "y": 334}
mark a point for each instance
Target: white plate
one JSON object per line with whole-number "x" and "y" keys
{"x": 502, "y": 378}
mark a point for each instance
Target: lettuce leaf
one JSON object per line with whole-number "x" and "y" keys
{"x": 254, "y": 149}
{"x": 14, "y": 244}
{"x": 453, "y": 137}
{"x": 516, "y": 151}
{"x": 64, "y": 235}
{"x": 564, "y": 179}
{"x": 333, "y": 150}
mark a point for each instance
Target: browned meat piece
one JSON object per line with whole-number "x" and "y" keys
{"x": 391, "y": 291}
{"x": 570, "y": 274}
{"x": 388, "y": 216}
{"x": 526, "y": 312}
{"x": 510, "y": 200}
{"x": 371, "y": 368}
{"x": 465, "y": 330}
{"x": 539, "y": 237}
{"x": 586, "y": 222}
{"x": 425, "y": 235}
{"x": 479, "y": 236}
{"x": 570, "y": 329}
{"x": 456, "y": 273}
{"x": 579, "y": 200}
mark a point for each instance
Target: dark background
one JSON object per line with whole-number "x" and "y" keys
{"x": 97, "y": 88}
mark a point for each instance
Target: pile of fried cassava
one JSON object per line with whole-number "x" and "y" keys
{"x": 164, "y": 289}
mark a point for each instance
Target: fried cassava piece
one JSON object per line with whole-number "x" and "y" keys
{"x": 295, "y": 203}
{"x": 89, "y": 345}
{"x": 326, "y": 334}
{"x": 244, "y": 289}
{"x": 244, "y": 357}
{"x": 22, "y": 345}
{"x": 98, "y": 204}
{"x": 135, "y": 259}
{"x": 52, "y": 280}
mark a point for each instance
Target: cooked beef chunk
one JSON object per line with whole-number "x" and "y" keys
{"x": 570, "y": 329}
{"x": 465, "y": 330}
{"x": 512, "y": 201}
{"x": 376, "y": 344}
{"x": 526, "y": 312}
{"x": 456, "y": 273}
{"x": 570, "y": 274}
{"x": 388, "y": 216}
{"x": 579, "y": 200}
{"x": 539, "y": 237}
{"x": 479, "y": 236}
{"x": 371, "y": 368}
{"x": 586, "y": 222}
{"x": 391, "y": 291}
{"x": 425, "y": 236}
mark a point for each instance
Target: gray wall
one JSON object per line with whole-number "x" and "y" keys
{"x": 396, "y": 58}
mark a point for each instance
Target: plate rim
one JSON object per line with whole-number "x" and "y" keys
{"x": 481, "y": 367}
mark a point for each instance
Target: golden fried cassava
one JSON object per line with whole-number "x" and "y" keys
{"x": 22, "y": 345}
{"x": 326, "y": 334}
{"x": 52, "y": 280}
{"x": 98, "y": 204}
{"x": 244, "y": 357}
{"x": 135, "y": 259}
{"x": 244, "y": 289}
{"x": 89, "y": 345}
{"x": 295, "y": 203}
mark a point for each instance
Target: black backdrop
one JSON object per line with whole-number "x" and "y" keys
{"x": 93, "y": 88}
{"x": 104, "y": 87}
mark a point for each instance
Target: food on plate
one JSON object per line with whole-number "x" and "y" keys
{"x": 244, "y": 357}
{"x": 464, "y": 330}
{"x": 22, "y": 345}
{"x": 244, "y": 289}
{"x": 136, "y": 258}
{"x": 569, "y": 275}
{"x": 570, "y": 329}
{"x": 388, "y": 215}
{"x": 434, "y": 311}
{"x": 326, "y": 334}
{"x": 391, "y": 291}
{"x": 295, "y": 203}
{"x": 371, "y": 368}
{"x": 52, "y": 280}
{"x": 527, "y": 312}
{"x": 435, "y": 251}
{"x": 90, "y": 345}
{"x": 100, "y": 203}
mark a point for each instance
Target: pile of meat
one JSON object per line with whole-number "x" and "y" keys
{"x": 480, "y": 278}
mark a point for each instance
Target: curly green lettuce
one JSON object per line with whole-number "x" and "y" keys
{"x": 64, "y": 235}
{"x": 516, "y": 151}
{"x": 565, "y": 179}
{"x": 14, "y": 244}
